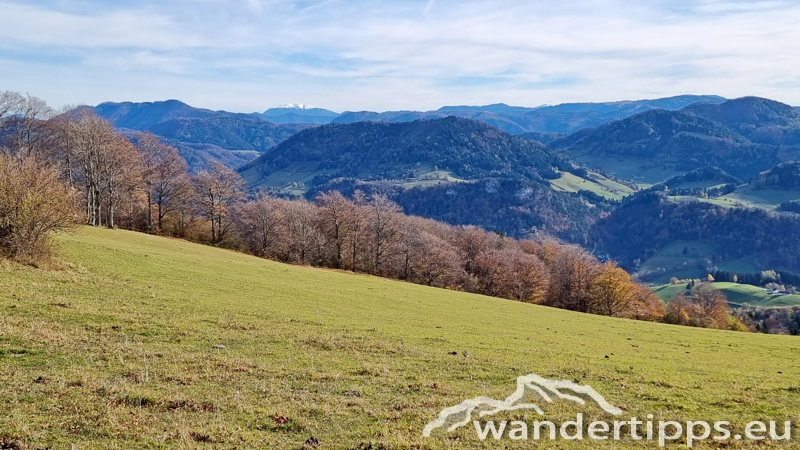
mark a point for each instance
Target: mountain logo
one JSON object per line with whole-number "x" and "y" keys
{"x": 529, "y": 388}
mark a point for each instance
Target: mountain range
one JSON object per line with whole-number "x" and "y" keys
{"x": 564, "y": 118}
{"x": 561, "y": 170}
{"x": 199, "y": 134}
{"x": 299, "y": 114}
{"x": 743, "y": 136}
{"x": 237, "y": 138}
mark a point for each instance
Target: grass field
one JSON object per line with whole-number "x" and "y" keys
{"x": 596, "y": 183}
{"x": 677, "y": 264}
{"x": 146, "y": 342}
{"x": 640, "y": 170}
{"x": 737, "y": 294}
{"x": 749, "y": 197}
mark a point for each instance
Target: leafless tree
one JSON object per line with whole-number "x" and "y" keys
{"x": 24, "y": 122}
{"x": 572, "y": 274}
{"x": 356, "y": 220}
{"x": 165, "y": 178}
{"x": 262, "y": 225}
{"x": 383, "y": 230}
{"x": 103, "y": 163}
{"x": 218, "y": 190}
{"x": 304, "y": 234}
{"x": 335, "y": 212}
{"x": 437, "y": 262}
{"x": 713, "y": 306}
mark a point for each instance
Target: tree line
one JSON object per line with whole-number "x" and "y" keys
{"x": 75, "y": 167}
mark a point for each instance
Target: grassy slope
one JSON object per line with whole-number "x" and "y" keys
{"x": 125, "y": 334}
{"x": 640, "y": 170}
{"x": 737, "y": 294}
{"x": 747, "y": 197}
{"x": 598, "y": 184}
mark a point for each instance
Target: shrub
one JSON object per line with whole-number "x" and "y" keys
{"x": 33, "y": 205}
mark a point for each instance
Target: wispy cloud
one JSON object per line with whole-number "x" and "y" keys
{"x": 247, "y": 55}
{"x": 429, "y": 6}
{"x": 739, "y": 6}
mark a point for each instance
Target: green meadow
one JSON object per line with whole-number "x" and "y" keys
{"x": 596, "y": 183}
{"x": 134, "y": 341}
{"x": 737, "y": 294}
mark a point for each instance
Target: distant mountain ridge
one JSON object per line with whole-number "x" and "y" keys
{"x": 565, "y": 118}
{"x": 299, "y": 114}
{"x": 218, "y": 132}
{"x": 143, "y": 116}
{"x": 201, "y": 134}
{"x": 743, "y": 137}
{"x": 761, "y": 120}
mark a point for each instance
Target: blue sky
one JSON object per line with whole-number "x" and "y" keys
{"x": 249, "y": 55}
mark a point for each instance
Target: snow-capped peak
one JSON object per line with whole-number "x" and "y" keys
{"x": 293, "y": 106}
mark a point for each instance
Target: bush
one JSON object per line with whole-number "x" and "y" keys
{"x": 33, "y": 205}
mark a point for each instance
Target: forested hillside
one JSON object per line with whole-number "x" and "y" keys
{"x": 228, "y": 132}
{"x": 783, "y": 176}
{"x": 761, "y": 120}
{"x": 647, "y": 222}
{"x": 674, "y": 138}
{"x": 468, "y": 148}
{"x": 512, "y": 207}
{"x": 743, "y": 137}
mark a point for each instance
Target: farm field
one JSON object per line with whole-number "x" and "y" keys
{"x": 136, "y": 341}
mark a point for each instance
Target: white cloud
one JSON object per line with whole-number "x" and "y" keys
{"x": 356, "y": 54}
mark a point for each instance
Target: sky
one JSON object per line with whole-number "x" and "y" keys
{"x": 354, "y": 55}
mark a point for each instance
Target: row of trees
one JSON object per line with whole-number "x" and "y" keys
{"x": 372, "y": 235}
{"x": 91, "y": 173}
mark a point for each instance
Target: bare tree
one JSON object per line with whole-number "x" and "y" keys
{"x": 488, "y": 267}
{"x": 24, "y": 122}
{"x": 356, "y": 219}
{"x": 165, "y": 178}
{"x": 335, "y": 211}
{"x": 713, "y": 306}
{"x": 471, "y": 241}
{"x": 383, "y": 230}
{"x": 262, "y": 225}
{"x": 437, "y": 263}
{"x": 10, "y": 104}
{"x": 572, "y": 273}
{"x": 101, "y": 161}
{"x": 218, "y": 189}
{"x": 524, "y": 276}
{"x": 304, "y": 235}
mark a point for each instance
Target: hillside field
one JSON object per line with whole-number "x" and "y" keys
{"x": 138, "y": 341}
{"x": 737, "y": 294}
{"x": 596, "y": 183}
